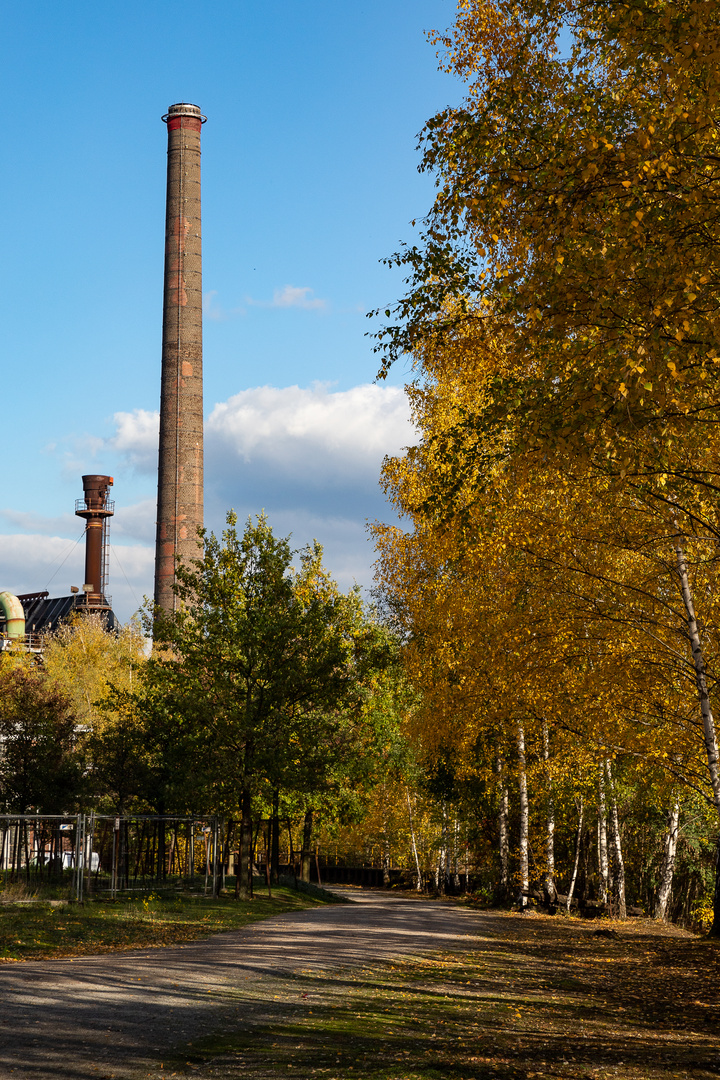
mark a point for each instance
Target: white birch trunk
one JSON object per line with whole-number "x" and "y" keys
{"x": 524, "y": 817}
{"x": 418, "y": 885}
{"x": 456, "y": 852}
{"x": 617, "y": 844}
{"x": 603, "y": 868}
{"x": 503, "y": 827}
{"x": 441, "y": 868}
{"x": 466, "y": 887}
{"x": 550, "y": 890}
{"x": 711, "y": 747}
{"x": 386, "y": 861}
{"x": 578, "y": 843}
{"x": 667, "y": 867}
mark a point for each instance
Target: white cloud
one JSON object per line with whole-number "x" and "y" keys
{"x": 214, "y": 311}
{"x": 136, "y": 438}
{"x": 36, "y": 523}
{"x": 135, "y": 522}
{"x": 132, "y": 570}
{"x": 311, "y": 437}
{"x": 209, "y": 305}
{"x": 292, "y": 296}
{"x": 132, "y": 522}
{"x": 33, "y": 563}
{"x": 310, "y": 457}
{"x": 316, "y": 435}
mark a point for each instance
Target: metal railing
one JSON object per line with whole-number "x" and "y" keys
{"x": 106, "y": 507}
{"x": 96, "y": 854}
{"x": 92, "y": 600}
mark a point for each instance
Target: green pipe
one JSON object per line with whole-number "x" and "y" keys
{"x": 14, "y": 615}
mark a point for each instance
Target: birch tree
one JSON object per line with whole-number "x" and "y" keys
{"x": 668, "y": 861}
{"x": 576, "y": 216}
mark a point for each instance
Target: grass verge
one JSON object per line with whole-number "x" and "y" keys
{"x": 549, "y": 998}
{"x": 42, "y": 932}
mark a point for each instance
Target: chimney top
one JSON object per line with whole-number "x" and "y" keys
{"x": 184, "y": 108}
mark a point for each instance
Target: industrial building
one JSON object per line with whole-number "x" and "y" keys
{"x": 26, "y": 617}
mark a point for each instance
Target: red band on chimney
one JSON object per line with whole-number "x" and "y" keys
{"x": 192, "y": 122}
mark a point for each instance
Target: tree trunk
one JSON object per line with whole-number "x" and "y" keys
{"x": 667, "y": 866}
{"x": 275, "y": 839}
{"x": 441, "y": 871}
{"x": 243, "y": 882}
{"x": 709, "y": 734}
{"x": 603, "y": 868}
{"x": 524, "y": 818}
{"x": 306, "y": 849}
{"x": 161, "y": 840}
{"x": 456, "y": 853}
{"x": 291, "y": 850}
{"x": 268, "y": 856}
{"x": 227, "y": 843}
{"x": 578, "y": 845}
{"x": 503, "y": 828}
{"x": 217, "y": 858}
{"x": 584, "y": 887}
{"x": 715, "y": 928}
{"x": 418, "y": 883}
{"x": 549, "y": 882}
{"x": 617, "y": 844}
{"x": 172, "y": 851}
{"x": 386, "y": 860}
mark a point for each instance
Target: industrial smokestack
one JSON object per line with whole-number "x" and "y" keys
{"x": 96, "y": 508}
{"x": 180, "y": 472}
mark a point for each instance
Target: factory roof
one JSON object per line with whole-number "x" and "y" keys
{"x": 44, "y": 613}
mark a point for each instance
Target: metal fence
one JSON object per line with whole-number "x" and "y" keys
{"x": 95, "y": 854}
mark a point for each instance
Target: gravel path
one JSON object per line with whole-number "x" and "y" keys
{"x": 115, "y": 1015}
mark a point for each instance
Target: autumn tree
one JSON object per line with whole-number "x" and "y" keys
{"x": 573, "y": 225}
{"x": 94, "y": 667}
{"x": 543, "y": 616}
{"x": 263, "y": 666}
{"x": 576, "y": 208}
{"x": 40, "y": 765}
{"x": 85, "y": 660}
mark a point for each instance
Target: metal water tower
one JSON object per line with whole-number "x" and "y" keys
{"x": 96, "y": 509}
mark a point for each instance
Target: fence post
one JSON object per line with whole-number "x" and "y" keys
{"x": 215, "y": 856}
{"x": 89, "y": 838}
{"x": 113, "y": 880}
{"x": 79, "y": 855}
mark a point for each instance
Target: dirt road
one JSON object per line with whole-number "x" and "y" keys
{"x": 114, "y": 1015}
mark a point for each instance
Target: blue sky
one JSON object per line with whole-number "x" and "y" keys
{"x": 309, "y": 179}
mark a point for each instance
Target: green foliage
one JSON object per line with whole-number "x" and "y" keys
{"x": 262, "y": 677}
{"x": 40, "y": 765}
{"x": 87, "y": 662}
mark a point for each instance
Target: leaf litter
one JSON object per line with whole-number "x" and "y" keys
{"x": 548, "y": 999}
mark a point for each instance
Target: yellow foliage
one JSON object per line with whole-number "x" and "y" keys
{"x": 85, "y": 661}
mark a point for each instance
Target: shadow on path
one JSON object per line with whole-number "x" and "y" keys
{"x": 110, "y": 1015}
